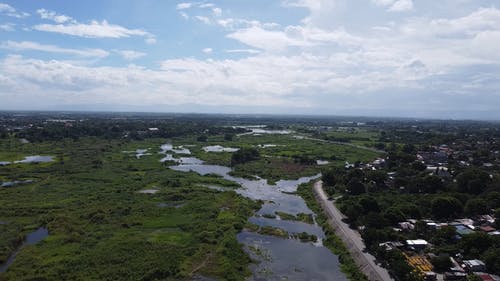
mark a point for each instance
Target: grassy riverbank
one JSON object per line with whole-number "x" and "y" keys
{"x": 332, "y": 242}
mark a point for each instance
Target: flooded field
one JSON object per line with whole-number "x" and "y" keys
{"x": 139, "y": 152}
{"x": 322, "y": 162}
{"x": 288, "y": 259}
{"x": 279, "y": 258}
{"x": 219, "y": 148}
{"x": 177, "y": 150}
{"x": 261, "y": 130}
{"x": 31, "y": 239}
{"x": 14, "y": 183}
{"x": 30, "y": 159}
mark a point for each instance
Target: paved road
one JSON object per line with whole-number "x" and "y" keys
{"x": 351, "y": 238}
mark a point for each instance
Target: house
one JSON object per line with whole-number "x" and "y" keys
{"x": 406, "y": 225}
{"x": 391, "y": 245}
{"x": 474, "y": 266}
{"x": 462, "y": 229}
{"x": 430, "y": 276}
{"x": 487, "y": 228}
{"x": 486, "y": 277}
{"x": 418, "y": 244}
{"x": 455, "y": 276}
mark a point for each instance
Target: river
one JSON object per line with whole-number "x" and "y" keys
{"x": 279, "y": 258}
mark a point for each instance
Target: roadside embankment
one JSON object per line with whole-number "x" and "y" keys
{"x": 350, "y": 238}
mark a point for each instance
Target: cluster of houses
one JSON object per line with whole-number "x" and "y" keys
{"x": 465, "y": 153}
{"x": 414, "y": 249}
{"x": 484, "y": 223}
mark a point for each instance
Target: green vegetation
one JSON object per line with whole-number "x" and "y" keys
{"x": 244, "y": 155}
{"x": 332, "y": 242}
{"x": 88, "y": 199}
{"x": 307, "y": 218}
{"x": 273, "y": 231}
{"x": 102, "y": 228}
{"x": 305, "y": 237}
{"x": 98, "y": 222}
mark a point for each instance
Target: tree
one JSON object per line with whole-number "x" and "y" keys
{"x": 374, "y": 220}
{"x": 418, "y": 166}
{"x": 433, "y": 184}
{"x": 353, "y": 212}
{"x": 202, "y": 138}
{"x": 393, "y": 215}
{"x": 476, "y": 206}
{"x": 475, "y": 243}
{"x": 378, "y": 176}
{"x": 355, "y": 187}
{"x": 473, "y": 181}
{"x": 445, "y": 235}
{"x": 441, "y": 263}
{"x": 409, "y": 210}
{"x": 492, "y": 259}
{"x": 446, "y": 207}
{"x": 369, "y": 204}
{"x": 331, "y": 176}
{"x": 244, "y": 155}
{"x": 493, "y": 199}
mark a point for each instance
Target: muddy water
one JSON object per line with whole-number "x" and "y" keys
{"x": 279, "y": 258}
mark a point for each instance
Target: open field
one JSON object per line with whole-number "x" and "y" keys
{"x": 89, "y": 200}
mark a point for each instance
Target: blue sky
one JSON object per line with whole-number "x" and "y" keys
{"x": 407, "y": 58}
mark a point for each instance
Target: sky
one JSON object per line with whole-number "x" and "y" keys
{"x": 407, "y": 58}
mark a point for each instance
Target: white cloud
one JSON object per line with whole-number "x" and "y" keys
{"x": 7, "y": 27}
{"x": 217, "y": 12}
{"x": 480, "y": 20}
{"x": 51, "y": 15}
{"x": 401, "y": 6}
{"x": 322, "y": 13}
{"x": 206, "y": 5}
{"x": 183, "y": 6}
{"x": 95, "y": 29}
{"x": 265, "y": 39}
{"x": 150, "y": 40}
{"x": 203, "y": 19}
{"x": 10, "y": 11}
{"x": 395, "y": 5}
{"x": 293, "y": 36}
{"x": 383, "y": 2}
{"x": 236, "y": 24}
{"x": 130, "y": 54}
{"x": 247, "y": 51}
{"x": 311, "y": 63}
{"x": 34, "y": 46}
{"x": 309, "y": 4}
{"x": 207, "y": 50}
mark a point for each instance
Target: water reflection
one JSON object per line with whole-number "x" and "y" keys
{"x": 30, "y": 159}
{"x": 286, "y": 259}
{"x": 31, "y": 239}
{"x": 219, "y": 148}
{"x": 280, "y": 259}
